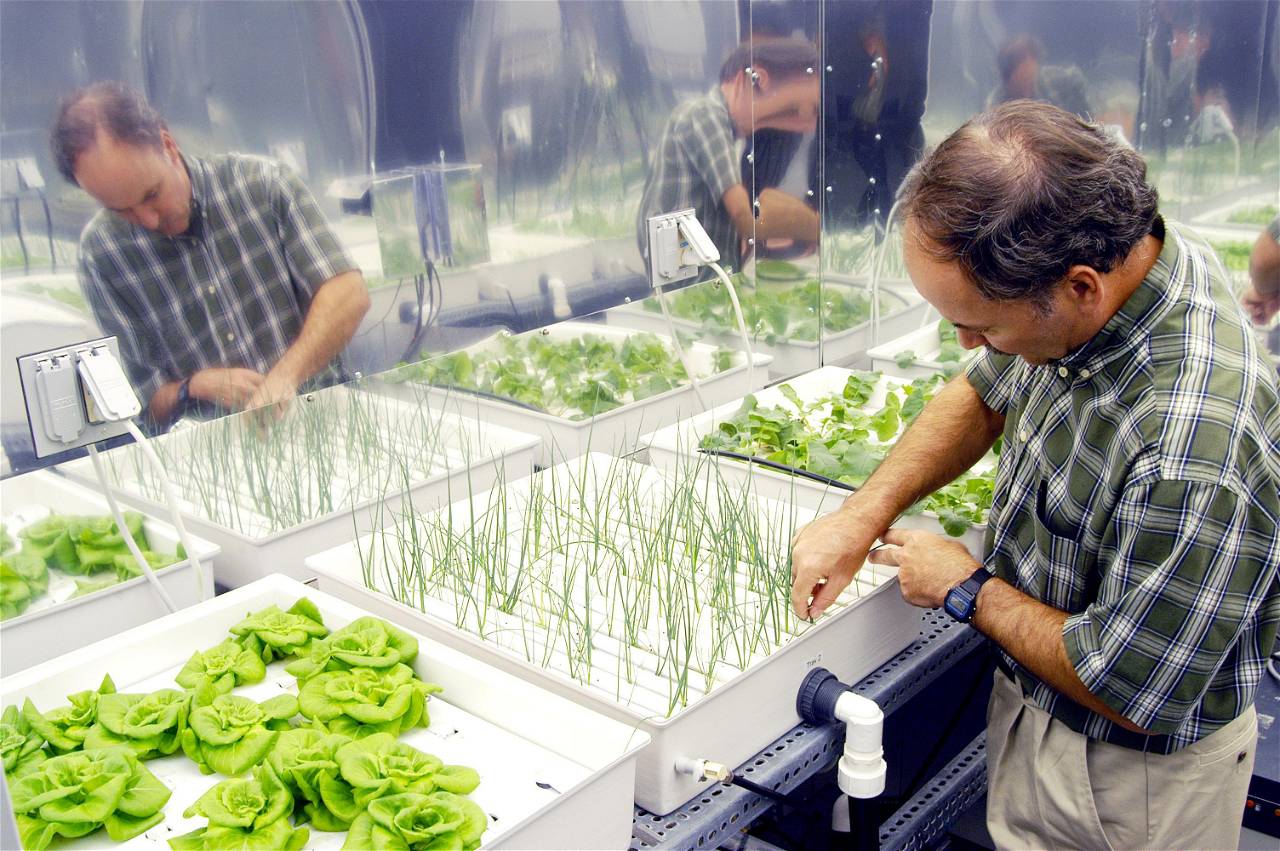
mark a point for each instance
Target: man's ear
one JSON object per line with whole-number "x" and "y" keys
{"x": 170, "y": 145}
{"x": 1084, "y": 287}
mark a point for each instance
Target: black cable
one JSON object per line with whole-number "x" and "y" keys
{"x": 946, "y": 733}
{"x": 48, "y": 229}
{"x": 22, "y": 243}
{"x": 752, "y": 786}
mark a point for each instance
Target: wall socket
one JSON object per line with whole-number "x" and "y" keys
{"x": 61, "y": 412}
{"x": 666, "y": 245}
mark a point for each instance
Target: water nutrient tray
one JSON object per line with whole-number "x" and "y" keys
{"x": 661, "y": 598}
{"x": 553, "y": 774}
{"x": 340, "y": 457}
{"x": 672, "y": 447}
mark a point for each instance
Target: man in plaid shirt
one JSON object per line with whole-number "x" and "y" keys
{"x": 770, "y": 83}
{"x": 220, "y": 277}
{"x": 1130, "y": 578}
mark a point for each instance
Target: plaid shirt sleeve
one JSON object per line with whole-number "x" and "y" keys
{"x": 312, "y": 251}
{"x": 709, "y": 147}
{"x": 1189, "y": 567}
{"x": 997, "y": 378}
{"x": 111, "y": 312}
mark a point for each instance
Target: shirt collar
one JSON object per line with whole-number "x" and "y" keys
{"x": 1145, "y": 307}
{"x": 196, "y": 171}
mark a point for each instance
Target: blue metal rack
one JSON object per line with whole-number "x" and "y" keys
{"x": 705, "y": 821}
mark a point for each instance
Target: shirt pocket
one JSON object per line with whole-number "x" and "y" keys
{"x": 1068, "y": 567}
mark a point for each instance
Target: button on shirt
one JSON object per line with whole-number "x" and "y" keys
{"x": 231, "y": 292}
{"x": 695, "y": 164}
{"x": 1139, "y": 491}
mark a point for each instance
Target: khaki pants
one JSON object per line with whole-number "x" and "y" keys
{"x": 1051, "y": 787}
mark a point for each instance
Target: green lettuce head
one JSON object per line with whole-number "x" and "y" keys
{"x": 150, "y": 725}
{"x": 15, "y": 593}
{"x": 419, "y": 822}
{"x": 244, "y": 814}
{"x": 21, "y": 747}
{"x": 75, "y": 794}
{"x": 380, "y": 765}
{"x": 364, "y": 643}
{"x": 66, "y": 727}
{"x": 364, "y": 701}
{"x": 222, "y": 668}
{"x": 273, "y": 634}
{"x": 233, "y": 734}
{"x": 306, "y": 760}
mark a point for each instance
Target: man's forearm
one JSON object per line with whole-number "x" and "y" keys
{"x": 1031, "y": 632}
{"x": 1264, "y": 266}
{"x": 164, "y": 403}
{"x": 335, "y": 314}
{"x": 954, "y": 430}
{"x": 782, "y": 215}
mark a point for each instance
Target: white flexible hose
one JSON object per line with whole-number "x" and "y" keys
{"x": 742, "y": 326}
{"x": 876, "y": 264}
{"x": 126, "y": 534}
{"x": 172, "y": 496}
{"x": 680, "y": 352}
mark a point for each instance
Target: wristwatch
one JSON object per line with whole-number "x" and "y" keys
{"x": 962, "y": 600}
{"x": 184, "y": 396}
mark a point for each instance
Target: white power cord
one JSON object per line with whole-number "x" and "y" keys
{"x": 126, "y": 534}
{"x": 171, "y": 495}
{"x": 742, "y": 325}
{"x": 680, "y": 352}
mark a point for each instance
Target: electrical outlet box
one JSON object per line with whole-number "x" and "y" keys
{"x": 666, "y": 248}
{"x": 61, "y": 411}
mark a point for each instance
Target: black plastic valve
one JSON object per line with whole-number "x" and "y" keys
{"x": 816, "y": 700}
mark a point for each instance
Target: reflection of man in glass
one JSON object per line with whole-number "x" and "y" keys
{"x": 1024, "y": 77}
{"x": 769, "y": 84}
{"x": 220, "y": 276}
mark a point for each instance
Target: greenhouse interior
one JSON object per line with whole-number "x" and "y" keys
{"x": 649, "y": 424}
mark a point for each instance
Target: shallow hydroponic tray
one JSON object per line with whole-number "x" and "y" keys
{"x": 669, "y": 446}
{"x": 791, "y": 357}
{"x": 614, "y": 431}
{"x": 553, "y": 774}
{"x": 726, "y": 717}
{"x": 466, "y": 454}
{"x": 56, "y": 622}
{"x": 925, "y": 343}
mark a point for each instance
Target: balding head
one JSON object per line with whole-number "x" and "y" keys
{"x": 108, "y": 108}
{"x": 1023, "y": 192}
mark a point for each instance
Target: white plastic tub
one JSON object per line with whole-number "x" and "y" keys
{"x": 790, "y": 357}
{"x": 727, "y": 721}
{"x": 614, "y": 431}
{"x": 468, "y": 453}
{"x": 669, "y": 445}
{"x": 57, "y": 623}
{"x": 516, "y": 734}
{"x": 924, "y": 343}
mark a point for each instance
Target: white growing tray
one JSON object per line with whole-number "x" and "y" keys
{"x": 742, "y": 712}
{"x": 668, "y": 445}
{"x": 614, "y": 431}
{"x": 842, "y": 348}
{"x": 471, "y": 455}
{"x": 57, "y": 623}
{"x": 516, "y": 734}
{"x": 926, "y": 344}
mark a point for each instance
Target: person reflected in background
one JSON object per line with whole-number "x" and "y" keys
{"x": 1023, "y": 76}
{"x": 221, "y": 277}
{"x": 1262, "y": 300}
{"x": 771, "y": 84}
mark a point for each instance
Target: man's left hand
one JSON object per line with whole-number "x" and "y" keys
{"x": 928, "y": 565}
{"x": 273, "y": 395}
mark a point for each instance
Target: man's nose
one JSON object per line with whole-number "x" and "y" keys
{"x": 969, "y": 339}
{"x": 148, "y": 218}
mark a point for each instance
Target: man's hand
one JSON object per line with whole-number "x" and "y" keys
{"x": 273, "y": 395}
{"x": 227, "y": 388}
{"x": 1259, "y": 307}
{"x": 928, "y": 565}
{"x": 825, "y": 555}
